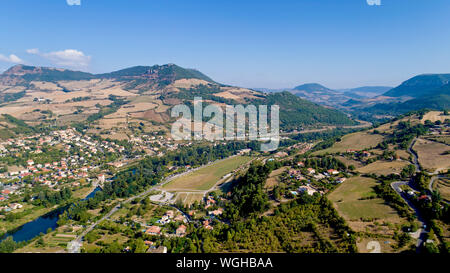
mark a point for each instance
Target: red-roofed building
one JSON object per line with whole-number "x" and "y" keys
{"x": 332, "y": 171}
{"x": 424, "y": 198}
{"x": 181, "y": 230}
{"x": 153, "y": 230}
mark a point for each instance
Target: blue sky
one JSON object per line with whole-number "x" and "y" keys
{"x": 274, "y": 44}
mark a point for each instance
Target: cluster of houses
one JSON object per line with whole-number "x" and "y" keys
{"x": 83, "y": 156}
{"x": 312, "y": 173}
{"x": 207, "y": 224}
{"x": 11, "y": 207}
{"x": 168, "y": 217}
{"x": 210, "y": 202}
{"x": 75, "y": 165}
{"x": 156, "y": 145}
{"x": 4, "y": 194}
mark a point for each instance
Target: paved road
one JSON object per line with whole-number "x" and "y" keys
{"x": 434, "y": 178}
{"x": 415, "y": 157}
{"x": 396, "y": 186}
{"x": 75, "y": 245}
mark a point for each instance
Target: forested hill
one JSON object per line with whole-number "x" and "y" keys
{"x": 420, "y": 86}
{"x": 168, "y": 73}
{"x": 438, "y": 100}
{"x": 312, "y": 87}
{"x": 295, "y": 111}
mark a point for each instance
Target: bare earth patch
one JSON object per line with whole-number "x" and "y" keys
{"x": 383, "y": 167}
{"x": 435, "y": 116}
{"x": 431, "y": 154}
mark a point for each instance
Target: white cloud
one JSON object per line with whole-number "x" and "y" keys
{"x": 11, "y": 59}
{"x": 69, "y": 57}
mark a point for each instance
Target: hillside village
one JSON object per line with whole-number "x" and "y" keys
{"x": 68, "y": 158}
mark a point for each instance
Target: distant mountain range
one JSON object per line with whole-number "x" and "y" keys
{"x": 165, "y": 85}
{"x": 174, "y": 84}
{"x": 423, "y": 91}
{"x": 430, "y": 91}
{"x": 336, "y": 98}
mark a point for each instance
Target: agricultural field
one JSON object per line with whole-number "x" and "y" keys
{"x": 188, "y": 83}
{"x": 443, "y": 187}
{"x": 442, "y": 139}
{"x": 206, "y": 177}
{"x": 188, "y": 198}
{"x": 434, "y": 116}
{"x": 403, "y": 154}
{"x": 132, "y": 108}
{"x": 273, "y": 179}
{"x": 389, "y": 128}
{"x": 356, "y": 201}
{"x": 349, "y": 162}
{"x": 383, "y": 167}
{"x": 431, "y": 154}
{"x": 347, "y": 200}
{"x": 356, "y": 141}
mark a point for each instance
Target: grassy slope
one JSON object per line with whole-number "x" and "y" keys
{"x": 346, "y": 199}
{"x": 205, "y": 178}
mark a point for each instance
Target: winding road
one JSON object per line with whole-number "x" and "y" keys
{"x": 396, "y": 186}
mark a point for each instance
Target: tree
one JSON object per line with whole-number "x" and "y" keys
{"x": 408, "y": 170}
{"x": 140, "y": 246}
{"x": 40, "y": 242}
{"x": 8, "y": 245}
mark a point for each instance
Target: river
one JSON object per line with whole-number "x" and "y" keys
{"x": 40, "y": 225}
